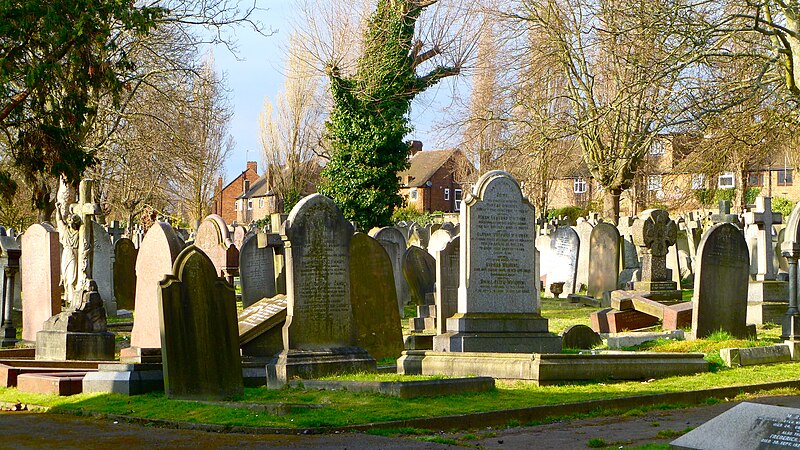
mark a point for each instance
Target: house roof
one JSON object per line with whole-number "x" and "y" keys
{"x": 244, "y": 173}
{"x": 258, "y": 189}
{"x": 423, "y": 165}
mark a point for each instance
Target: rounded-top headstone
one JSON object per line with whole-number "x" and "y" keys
{"x": 580, "y": 337}
{"x": 655, "y": 231}
{"x": 791, "y": 240}
{"x": 256, "y": 270}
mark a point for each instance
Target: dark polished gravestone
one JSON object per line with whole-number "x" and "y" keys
{"x": 580, "y": 337}
{"x": 746, "y": 426}
{"x": 419, "y": 270}
{"x": 125, "y": 273}
{"x": 199, "y": 335}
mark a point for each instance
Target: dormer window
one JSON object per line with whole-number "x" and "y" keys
{"x": 657, "y": 148}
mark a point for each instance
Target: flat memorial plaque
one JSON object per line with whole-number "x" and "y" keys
{"x": 260, "y": 317}
{"x": 746, "y": 426}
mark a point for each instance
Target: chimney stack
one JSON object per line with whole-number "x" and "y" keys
{"x": 415, "y": 147}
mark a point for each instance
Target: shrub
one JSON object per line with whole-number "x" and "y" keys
{"x": 783, "y": 206}
{"x": 409, "y": 214}
{"x": 573, "y": 212}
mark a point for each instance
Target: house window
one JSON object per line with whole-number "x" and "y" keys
{"x": 657, "y": 148}
{"x": 261, "y": 203}
{"x": 457, "y": 194}
{"x": 785, "y": 177}
{"x": 446, "y": 193}
{"x": 727, "y": 181}
{"x": 412, "y": 194}
{"x": 698, "y": 181}
{"x": 755, "y": 179}
{"x": 236, "y": 205}
{"x": 579, "y": 185}
{"x": 249, "y": 205}
{"x": 654, "y": 183}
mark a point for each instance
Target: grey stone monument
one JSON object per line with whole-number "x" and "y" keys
{"x": 655, "y": 233}
{"x": 447, "y": 277}
{"x": 256, "y": 269}
{"x": 767, "y": 297}
{"x": 604, "y": 250}
{"x": 125, "y": 253}
{"x": 10, "y": 253}
{"x": 791, "y": 250}
{"x": 498, "y": 304}
{"x": 394, "y": 242}
{"x": 103, "y": 268}
{"x": 562, "y": 259}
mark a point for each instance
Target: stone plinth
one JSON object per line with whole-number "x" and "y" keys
{"x": 293, "y": 364}
{"x": 74, "y": 346}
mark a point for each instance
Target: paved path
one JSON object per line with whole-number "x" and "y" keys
{"x": 23, "y": 430}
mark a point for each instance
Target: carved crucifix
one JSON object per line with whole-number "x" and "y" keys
{"x": 655, "y": 232}
{"x": 86, "y": 210}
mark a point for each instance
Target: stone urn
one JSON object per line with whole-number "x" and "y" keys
{"x": 557, "y": 288}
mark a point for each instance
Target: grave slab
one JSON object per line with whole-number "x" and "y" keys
{"x": 737, "y": 357}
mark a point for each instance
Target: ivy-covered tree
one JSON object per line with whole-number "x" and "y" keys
{"x": 369, "y": 117}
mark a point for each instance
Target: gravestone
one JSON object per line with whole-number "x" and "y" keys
{"x": 767, "y": 297}
{"x": 157, "y": 254}
{"x": 724, "y": 215}
{"x": 720, "y": 293}
{"x": 41, "y": 264}
{"x": 256, "y": 270}
{"x": 446, "y": 290}
{"x": 103, "y": 268}
{"x": 790, "y": 249}
{"x": 125, "y": 273}
{"x": 373, "y": 296}
{"x": 584, "y": 230}
{"x": 199, "y": 333}
{"x": 654, "y": 234}
{"x": 629, "y": 257}
{"x": 214, "y": 240}
{"x": 580, "y": 337}
{"x": 746, "y": 426}
{"x": 498, "y": 304}
{"x": 419, "y": 237}
{"x": 394, "y": 242}
{"x": 319, "y": 335}
{"x": 419, "y": 270}
{"x": 115, "y": 231}
{"x": 781, "y": 265}
{"x": 438, "y": 241}
{"x": 604, "y": 258}
{"x": 562, "y": 261}
{"x": 238, "y": 236}
{"x": 275, "y": 242}
{"x": 10, "y": 253}
{"x": 260, "y": 327}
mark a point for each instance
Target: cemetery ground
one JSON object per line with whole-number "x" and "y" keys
{"x": 296, "y": 410}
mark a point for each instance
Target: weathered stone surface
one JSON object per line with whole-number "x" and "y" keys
{"x": 260, "y": 327}
{"x": 215, "y": 241}
{"x": 125, "y": 273}
{"x": 103, "y": 268}
{"x": 394, "y": 242}
{"x": 746, "y": 426}
{"x": 720, "y": 294}
{"x": 580, "y": 337}
{"x": 439, "y": 239}
{"x": 737, "y": 357}
{"x": 319, "y": 335}
{"x": 256, "y": 271}
{"x": 584, "y": 231}
{"x": 199, "y": 338}
{"x": 157, "y": 253}
{"x": 41, "y": 265}
{"x": 612, "y": 321}
{"x": 604, "y": 259}
{"x": 405, "y": 389}
{"x": 562, "y": 261}
{"x": 419, "y": 270}
{"x": 654, "y": 234}
{"x": 619, "y": 341}
{"x": 498, "y": 303}
{"x": 677, "y": 316}
{"x": 125, "y": 379}
{"x": 446, "y": 291}
{"x": 373, "y": 297}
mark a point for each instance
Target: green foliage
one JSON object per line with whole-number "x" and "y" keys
{"x": 409, "y": 214}
{"x": 783, "y": 206}
{"x": 596, "y": 443}
{"x": 59, "y": 60}
{"x": 724, "y": 194}
{"x": 573, "y": 212}
{"x": 369, "y": 118}
{"x": 750, "y": 195}
{"x": 704, "y": 196}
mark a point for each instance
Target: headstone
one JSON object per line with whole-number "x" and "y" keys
{"x": 275, "y": 242}
{"x": 655, "y": 233}
{"x": 103, "y": 268}
{"x": 562, "y": 263}
{"x": 498, "y": 304}
{"x": 125, "y": 273}
{"x": 720, "y": 293}
{"x": 159, "y": 250}
{"x": 214, "y": 240}
{"x": 447, "y": 276}
{"x": 790, "y": 249}
{"x": 256, "y": 270}
{"x": 767, "y": 297}
{"x": 724, "y": 215}
{"x": 319, "y": 336}
{"x": 199, "y": 333}
{"x": 419, "y": 237}
{"x": 746, "y": 426}
{"x": 604, "y": 258}
{"x": 260, "y": 326}
{"x": 394, "y": 242}
{"x": 40, "y": 262}
{"x": 629, "y": 257}
{"x": 115, "y": 230}
{"x": 238, "y": 236}
{"x": 372, "y": 293}
{"x": 580, "y": 337}
{"x": 419, "y": 270}
{"x": 10, "y": 253}
{"x": 439, "y": 239}
{"x": 584, "y": 230}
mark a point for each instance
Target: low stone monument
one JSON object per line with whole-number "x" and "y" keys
{"x": 562, "y": 259}
{"x": 214, "y": 239}
{"x": 199, "y": 334}
{"x": 655, "y": 233}
{"x": 319, "y": 336}
{"x": 79, "y": 333}
{"x": 498, "y": 304}
{"x": 260, "y": 327}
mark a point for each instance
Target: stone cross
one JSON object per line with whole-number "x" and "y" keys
{"x": 115, "y": 230}
{"x": 764, "y": 218}
{"x": 86, "y": 209}
{"x": 655, "y": 233}
{"x": 725, "y": 215}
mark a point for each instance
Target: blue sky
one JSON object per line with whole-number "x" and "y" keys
{"x": 258, "y": 73}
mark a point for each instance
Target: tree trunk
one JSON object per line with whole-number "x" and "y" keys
{"x": 611, "y": 205}
{"x": 42, "y": 201}
{"x": 740, "y": 191}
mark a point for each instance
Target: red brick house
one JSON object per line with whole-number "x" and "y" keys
{"x": 436, "y": 179}
{"x": 224, "y": 201}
